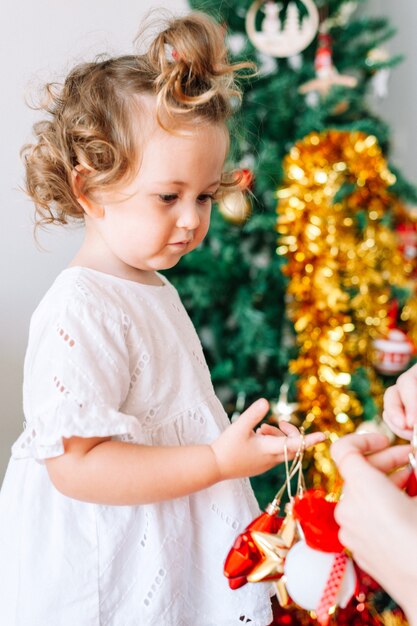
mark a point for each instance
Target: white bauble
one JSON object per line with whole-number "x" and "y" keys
{"x": 307, "y": 571}
{"x": 375, "y": 426}
{"x": 392, "y": 355}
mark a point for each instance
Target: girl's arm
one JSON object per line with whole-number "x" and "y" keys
{"x": 112, "y": 472}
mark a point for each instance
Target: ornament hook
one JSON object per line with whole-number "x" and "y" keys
{"x": 296, "y": 467}
{"x": 412, "y": 457}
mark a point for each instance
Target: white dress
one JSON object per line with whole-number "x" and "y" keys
{"x": 111, "y": 357}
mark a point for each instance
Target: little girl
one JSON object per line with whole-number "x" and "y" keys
{"x": 128, "y": 485}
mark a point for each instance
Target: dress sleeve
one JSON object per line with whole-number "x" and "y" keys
{"x": 76, "y": 379}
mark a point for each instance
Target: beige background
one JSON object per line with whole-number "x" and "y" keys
{"x": 41, "y": 40}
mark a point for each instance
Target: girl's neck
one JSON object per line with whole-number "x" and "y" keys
{"x": 91, "y": 257}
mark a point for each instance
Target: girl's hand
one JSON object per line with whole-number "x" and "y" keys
{"x": 241, "y": 452}
{"x": 284, "y": 428}
{"x": 400, "y": 404}
{"x": 378, "y": 521}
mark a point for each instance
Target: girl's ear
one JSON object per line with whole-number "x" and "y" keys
{"x": 90, "y": 208}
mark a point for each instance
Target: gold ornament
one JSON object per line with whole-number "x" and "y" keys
{"x": 274, "y": 548}
{"x": 388, "y": 618}
{"x": 235, "y": 206}
{"x": 377, "y": 58}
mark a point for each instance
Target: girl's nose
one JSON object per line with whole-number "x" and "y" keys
{"x": 189, "y": 217}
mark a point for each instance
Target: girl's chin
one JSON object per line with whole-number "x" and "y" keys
{"x": 168, "y": 264}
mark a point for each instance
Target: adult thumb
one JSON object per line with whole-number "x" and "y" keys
{"x": 254, "y": 414}
{"x": 349, "y": 452}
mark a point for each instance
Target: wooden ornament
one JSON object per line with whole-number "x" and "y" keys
{"x": 282, "y": 40}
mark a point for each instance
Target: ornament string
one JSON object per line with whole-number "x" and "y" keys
{"x": 410, "y": 486}
{"x": 300, "y": 481}
{"x": 412, "y": 457}
{"x": 290, "y": 472}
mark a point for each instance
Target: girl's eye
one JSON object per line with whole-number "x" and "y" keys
{"x": 205, "y": 197}
{"x": 168, "y": 198}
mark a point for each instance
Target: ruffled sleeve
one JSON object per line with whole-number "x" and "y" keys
{"x": 76, "y": 378}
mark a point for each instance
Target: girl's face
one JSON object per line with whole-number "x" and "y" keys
{"x": 163, "y": 213}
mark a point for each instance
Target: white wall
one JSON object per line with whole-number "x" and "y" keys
{"x": 400, "y": 108}
{"x": 41, "y": 40}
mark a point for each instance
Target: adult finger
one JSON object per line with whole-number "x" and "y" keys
{"x": 403, "y": 433}
{"x": 394, "y": 411}
{"x": 400, "y": 477}
{"x": 390, "y": 459}
{"x": 348, "y": 451}
{"x": 406, "y": 385}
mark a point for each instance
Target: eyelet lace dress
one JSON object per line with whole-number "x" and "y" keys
{"x": 111, "y": 357}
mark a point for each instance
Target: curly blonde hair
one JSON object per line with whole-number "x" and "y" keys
{"x": 90, "y": 115}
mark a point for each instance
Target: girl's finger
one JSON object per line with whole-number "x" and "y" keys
{"x": 288, "y": 429}
{"x": 293, "y": 443}
{"x": 253, "y": 415}
{"x": 268, "y": 429}
{"x": 313, "y": 439}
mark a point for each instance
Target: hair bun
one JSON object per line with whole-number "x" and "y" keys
{"x": 192, "y": 69}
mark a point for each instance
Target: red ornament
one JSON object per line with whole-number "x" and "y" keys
{"x": 326, "y": 72}
{"x": 245, "y": 178}
{"x": 323, "y": 62}
{"x": 410, "y": 486}
{"x": 393, "y": 314}
{"x": 244, "y": 555}
{"x": 316, "y": 517}
{"x": 407, "y": 236}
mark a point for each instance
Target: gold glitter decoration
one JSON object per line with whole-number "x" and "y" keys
{"x": 342, "y": 256}
{"x": 388, "y": 618}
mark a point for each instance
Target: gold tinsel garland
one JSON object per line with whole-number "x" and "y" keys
{"x": 342, "y": 259}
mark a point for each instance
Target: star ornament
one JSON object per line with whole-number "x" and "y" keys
{"x": 324, "y": 84}
{"x": 274, "y": 549}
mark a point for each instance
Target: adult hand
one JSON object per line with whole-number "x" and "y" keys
{"x": 400, "y": 404}
{"x": 378, "y": 521}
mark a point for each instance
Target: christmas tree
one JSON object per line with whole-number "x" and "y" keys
{"x": 302, "y": 290}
